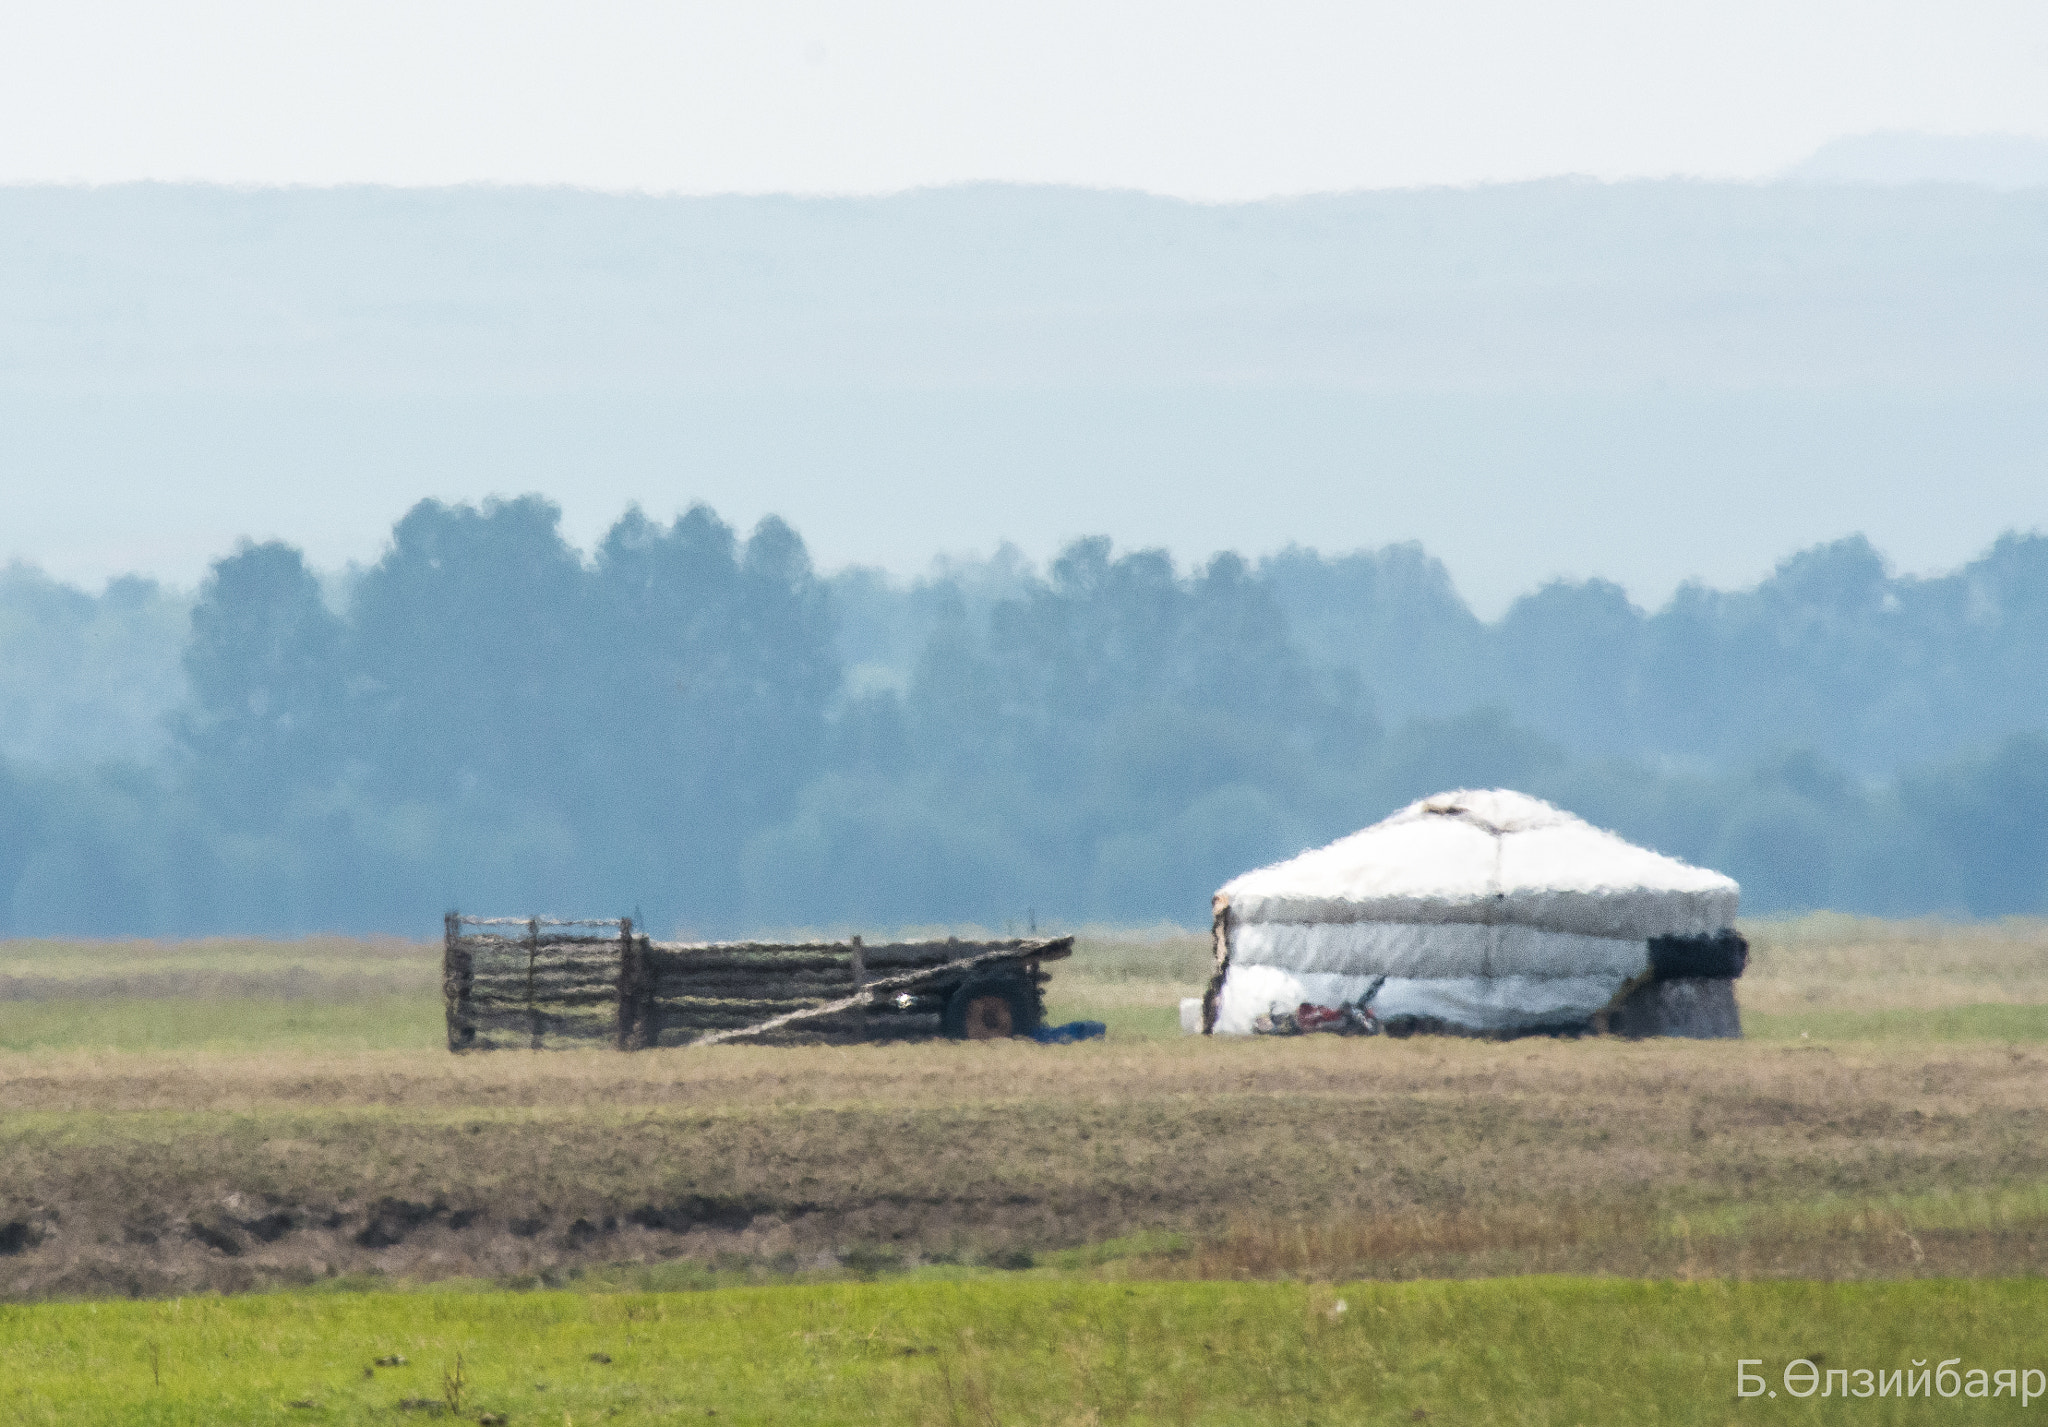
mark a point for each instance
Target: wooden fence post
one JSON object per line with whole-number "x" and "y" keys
{"x": 629, "y": 984}
{"x": 532, "y": 970}
{"x": 860, "y": 974}
{"x": 455, "y": 978}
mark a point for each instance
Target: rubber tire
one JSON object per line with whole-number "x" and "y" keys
{"x": 964, "y": 1020}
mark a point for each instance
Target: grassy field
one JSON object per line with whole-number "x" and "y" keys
{"x": 298, "y": 1122}
{"x": 1829, "y": 977}
{"x": 1017, "y": 1350}
{"x": 1147, "y": 1229}
{"x": 319, "y": 993}
{"x": 1051, "y": 1230}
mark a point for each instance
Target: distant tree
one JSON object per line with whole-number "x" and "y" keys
{"x": 264, "y": 664}
{"x": 1800, "y": 659}
{"x": 1980, "y": 650}
{"x": 1989, "y": 814}
{"x": 86, "y": 678}
{"x": 1569, "y": 657}
{"x": 469, "y": 654}
{"x": 1481, "y": 749}
{"x": 497, "y": 721}
{"x": 1113, "y": 740}
{"x": 1394, "y": 616}
{"x": 19, "y": 820}
{"x": 718, "y": 669}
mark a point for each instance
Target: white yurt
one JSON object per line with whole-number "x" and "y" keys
{"x": 1481, "y": 912}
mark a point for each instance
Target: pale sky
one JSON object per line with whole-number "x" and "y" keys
{"x": 1198, "y": 100}
{"x": 1201, "y": 100}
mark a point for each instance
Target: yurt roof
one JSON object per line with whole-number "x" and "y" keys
{"x": 1489, "y": 856}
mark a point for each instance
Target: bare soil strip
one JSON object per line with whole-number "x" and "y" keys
{"x": 169, "y": 1173}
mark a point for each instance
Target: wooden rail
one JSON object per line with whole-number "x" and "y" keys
{"x": 540, "y": 982}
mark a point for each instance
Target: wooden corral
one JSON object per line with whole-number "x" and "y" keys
{"x": 536, "y": 982}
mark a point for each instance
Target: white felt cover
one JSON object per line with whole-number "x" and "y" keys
{"x": 1491, "y": 910}
{"x": 1434, "y": 949}
{"x": 1489, "y": 857}
{"x": 1480, "y": 1003}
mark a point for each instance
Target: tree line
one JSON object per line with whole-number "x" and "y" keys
{"x": 699, "y": 726}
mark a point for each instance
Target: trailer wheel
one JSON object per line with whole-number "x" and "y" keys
{"x": 994, "y": 1008}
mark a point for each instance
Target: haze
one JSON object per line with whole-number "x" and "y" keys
{"x": 1203, "y": 100}
{"x": 1646, "y": 381}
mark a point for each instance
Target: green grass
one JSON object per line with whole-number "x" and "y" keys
{"x": 938, "y": 1172}
{"x": 1145, "y": 1023}
{"x": 1995, "y": 1023}
{"x": 1017, "y": 1351}
{"x": 392, "y": 1022}
{"x": 1999, "y": 1023}
{"x": 2009, "y": 1206}
{"x": 47, "y": 956}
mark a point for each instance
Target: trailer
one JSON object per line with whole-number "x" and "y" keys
{"x": 543, "y": 982}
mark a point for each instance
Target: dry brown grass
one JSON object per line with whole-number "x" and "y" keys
{"x": 217, "y": 968}
{"x": 1821, "y": 960}
{"x": 153, "y": 1173}
{"x": 158, "y": 1172}
{"x": 1832, "y": 962}
{"x": 741, "y": 1078}
{"x": 1968, "y": 1235}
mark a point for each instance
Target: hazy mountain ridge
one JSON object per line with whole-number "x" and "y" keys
{"x": 1549, "y": 286}
{"x": 1643, "y": 381}
{"x": 1985, "y": 160}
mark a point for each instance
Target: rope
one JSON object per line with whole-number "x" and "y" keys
{"x": 861, "y": 997}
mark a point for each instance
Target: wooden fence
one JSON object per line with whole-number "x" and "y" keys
{"x": 532, "y": 981}
{"x": 537, "y": 982}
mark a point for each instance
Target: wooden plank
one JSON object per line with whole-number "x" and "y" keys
{"x": 730, "y": 1013}
{"x": 894, "y": 956}
{"x": 778, "y": 996}
{"x": 495, "y": 1011}
{"x": 839, "y": 976}
{"x": 684, "y": 963}
{"x": 605, "y": 996}
{"x": 535, "y": 921}
{"x": 524, "y": 1019}
{"x": 996, "y": 957}
{"x": 497, "y": 1007}
{"x": 546, "y": 940}
{"x": 693, "y": 948}
{"x": 606, "y": 972}
{"x": 548, "y": 944}
{"x": 600, "y": 960}
{"x": 909, "y": 954}
{"x": 544, "y": 996}
{"x": 507, "y": 970}
{"x": 742, "y": 982}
